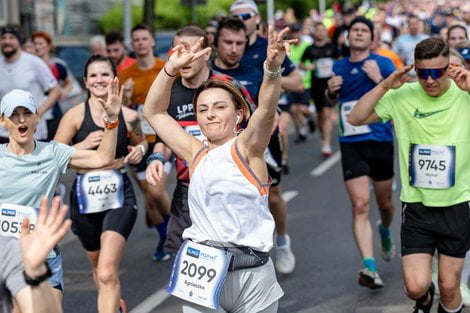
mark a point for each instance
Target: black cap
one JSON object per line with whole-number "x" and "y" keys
{"x": 295, "y": 28}
{"x": 348, "y": 10}
{"x": 363, "y": 20}
{"x": 13, "y": 29}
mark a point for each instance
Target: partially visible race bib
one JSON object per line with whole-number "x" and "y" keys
{"x": 324, "y": 67}
{"x": 432, "y": 166}
{"x": 198, "y": 274}
{"x": 195, "y": 131}
{"x": 146, "y": 128}
{"x": 100, "y": 191}
{"x": 11, "y": 218}
{"x": 348, "y": 129}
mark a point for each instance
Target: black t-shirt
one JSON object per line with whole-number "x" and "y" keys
{"x": 314, "y": 53}
{"x": 181, "y": 109}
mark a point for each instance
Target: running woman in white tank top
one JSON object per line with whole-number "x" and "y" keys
{"x": 224, "y": 262}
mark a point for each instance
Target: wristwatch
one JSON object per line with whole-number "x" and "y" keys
{"x": 37, "y": 280}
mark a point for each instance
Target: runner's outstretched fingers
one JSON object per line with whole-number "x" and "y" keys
{"x": 461, "y": 77}
{"x": 50, "y": 228}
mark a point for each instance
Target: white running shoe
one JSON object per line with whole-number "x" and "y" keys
{"x": 285, "y": 259}
{"x": 465, "y": 291}
{"x": 326, "y": 151}
{"x": 369, "y": 279}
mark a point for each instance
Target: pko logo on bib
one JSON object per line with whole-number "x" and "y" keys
{"x": 8, "y": 212}
{"x": 193, "y": 252}
{"x": 424, "y": 151}
{"x": 92, "y": 179}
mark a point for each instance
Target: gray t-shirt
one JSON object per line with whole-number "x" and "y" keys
{"x": 26, "y": 178}
{"x": 11, "y": 272}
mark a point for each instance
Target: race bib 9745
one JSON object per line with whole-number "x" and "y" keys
{"x": 432, "y": 166}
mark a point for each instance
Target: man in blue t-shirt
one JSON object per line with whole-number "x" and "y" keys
{"x": 230, "y": 42}
{"x": 366, "y": 151}
{"x": 291, "y": 81}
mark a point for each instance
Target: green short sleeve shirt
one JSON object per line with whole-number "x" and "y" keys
{"x": 433, "y": 135}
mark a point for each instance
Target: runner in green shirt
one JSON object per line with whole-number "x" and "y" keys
{"x": 434, "y": 167}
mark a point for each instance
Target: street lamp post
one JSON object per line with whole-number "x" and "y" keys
{"x": 270, "y": 11}
{"x": 127, "y": 22}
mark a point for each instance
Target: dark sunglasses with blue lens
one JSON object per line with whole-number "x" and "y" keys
{"x": 435, "y": 73}
{"x": 245, "y": 16}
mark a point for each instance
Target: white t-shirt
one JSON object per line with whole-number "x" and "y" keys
{"x": 29, "y": 73}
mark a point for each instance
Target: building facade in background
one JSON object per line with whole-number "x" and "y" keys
{"x": 63, "y": 18}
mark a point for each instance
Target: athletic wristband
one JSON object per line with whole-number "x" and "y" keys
{"x": 110, "y": 124}
{"x": 37, "y": 280}
{"x": 164, "y": 69}
{"x": 156, "y": 156}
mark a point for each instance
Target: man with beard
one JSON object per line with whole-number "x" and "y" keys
{"x": 117, "y": 50}
{"x": 21, "y": 70}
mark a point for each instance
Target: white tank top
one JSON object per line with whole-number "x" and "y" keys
{"x": 227, "y": 202}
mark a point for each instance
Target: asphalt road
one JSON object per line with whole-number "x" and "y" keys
{"x": 325, "y": 278}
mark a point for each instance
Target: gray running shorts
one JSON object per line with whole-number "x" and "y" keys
{"x": 247, "y": 290}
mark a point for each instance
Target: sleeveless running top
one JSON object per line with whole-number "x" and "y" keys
{"x": 227, "y": 202}
{"x": 89, "y": 126}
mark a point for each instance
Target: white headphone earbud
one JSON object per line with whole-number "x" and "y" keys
{"x": 238, "y": 119}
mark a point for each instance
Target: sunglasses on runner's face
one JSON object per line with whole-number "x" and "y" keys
{"x": 435, "y": 73}
{"x": 245, "y": 16}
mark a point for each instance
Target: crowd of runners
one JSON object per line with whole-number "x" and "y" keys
{"x": 219, "y": 111}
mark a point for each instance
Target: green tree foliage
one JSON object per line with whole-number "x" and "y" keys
{"x": 171, "y": 14}
{"x": 113, "y": 19}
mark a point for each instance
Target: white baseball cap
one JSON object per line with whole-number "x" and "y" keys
{"x": 244, "y": 4}
{"x": 17, "y": 98}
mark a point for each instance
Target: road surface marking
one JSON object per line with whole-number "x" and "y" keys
{"x": 326, "y": 165}
{"x": 154, "y": 300}
{"x": 289, "y": 195}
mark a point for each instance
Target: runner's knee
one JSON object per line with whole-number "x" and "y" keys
{"x": 416, "y": 288}
{"x": 106, "y": 275}
{"x": 360, "y": 207}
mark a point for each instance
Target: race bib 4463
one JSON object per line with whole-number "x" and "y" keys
{"x": 100, "y": 191}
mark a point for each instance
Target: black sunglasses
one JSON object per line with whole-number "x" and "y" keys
{"x": 245, "y": 16}
{"x": 435, "y": 73}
